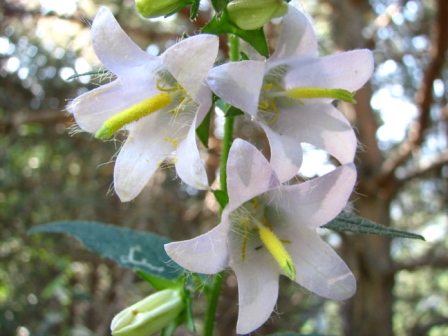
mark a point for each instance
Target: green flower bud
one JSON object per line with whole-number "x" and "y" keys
{"x": 253, "y": 14}
{"x": 149, "y": 315}
{"x": 155, "y": 8}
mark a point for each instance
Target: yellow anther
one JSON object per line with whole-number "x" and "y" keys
{"x": 243, "y": 247}
{"x": 278, "y": 251}
{"x": 313, "y": 92}
{"x": 256, "y": 204}
{"x": 133, "y": 113}
{"x": 173, "y": 141}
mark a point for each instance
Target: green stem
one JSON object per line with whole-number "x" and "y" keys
{"x": 215, "y": 287}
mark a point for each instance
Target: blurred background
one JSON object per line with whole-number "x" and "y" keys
{"x": 51, "y": 285}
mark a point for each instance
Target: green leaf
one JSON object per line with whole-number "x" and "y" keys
{"x": 243, "y": 56}
{"x": 346, "y": 221}
{"x": 138, "y": 250}
{"x": 229, "y": 110}
{"x": 203, "y": 130}
{"x": 233, "y": 112}
{"x": 219, "y": 5}
{"x": 156, "y": 282}
{"x": 221, "y": 197}
{"x": 222, "y": 25}
{"x": 194, "y": 9}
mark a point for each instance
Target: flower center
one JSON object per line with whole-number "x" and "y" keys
{"x": 250, "y": 217}
{"x": 166, "y": 97}
{"x": 273, "y": 95}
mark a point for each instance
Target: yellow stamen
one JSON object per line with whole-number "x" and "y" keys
{"x": 173, "y": 141}
{"x": 278, "y": 251}
{"x": 243, "y": 248}
{"x": 133, "y": 113}
{"x": 313, "y": 92}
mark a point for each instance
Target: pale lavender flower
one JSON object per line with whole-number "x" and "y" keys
{"x": 159, "y": 100}
{"x": 268, "y": 229}
{"x": 289, "y": 95}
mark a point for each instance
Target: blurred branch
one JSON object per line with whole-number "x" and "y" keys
{"x": 428, "y": 260}
{"x": 48, "y": 117}
{"x": 422, "y": 169}
{"x": 424, "y": 98}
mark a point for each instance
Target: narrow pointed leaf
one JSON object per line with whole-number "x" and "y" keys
{"x": 219, "y": 5}
{"x": 221, "y": 197}
{"x": 138, "y": 250}
{"x": 194, "y": 9}
{"x": 156, "y": 282}
{"x": 346, "y": 221}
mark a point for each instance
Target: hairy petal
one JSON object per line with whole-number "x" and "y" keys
{"x": 190, "y": 60}
{"x": 319, "y": 268}
{"x": 113, "y": 46}
{"x": 286, "y": 154}
{"x": 189, "y": 165}
{"x": 257, "y": 279}
{"x": 321, "y": 125}
{"x": 249, "y": 174}
{"x": 93, "y": 108}
{"x": 297, "y": 38}
{"x": 207, "y": 254}
{"x": 348, "y": 70}
{"x": 141, "y": 155}
{"x": 316, "y": 202}
{"x": 238, "y": 83}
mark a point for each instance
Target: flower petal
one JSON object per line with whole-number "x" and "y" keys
{"x": 348, "y": 70}
{"x": 321, "y": 125}
{"x": 257, "y": 278}
{"x": 189, "y": 165}
{"x": 316, "y": 201}
{"x": 113, "y": 47}
{"x": 286, "y": 154}
{"x": 141, "y": 155}
{"x": 190, "y": 60}
{"x": 297, "y": 38}
{"x": 319, "y": 268}
{"x": 93, "y": 108}
{"x": 248, "y": 173}
{"x": 238, "y": 83}
{"x": 207, "y": 254}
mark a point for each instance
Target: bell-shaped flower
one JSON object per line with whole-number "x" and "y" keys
{"x": 268, "y": 229}
{"x": 290, "y": 94}
{"x": 159, "y": 101}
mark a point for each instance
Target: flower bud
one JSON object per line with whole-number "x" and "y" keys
{"x": 155, "y": 8}
{"x": 149, "y": 315}
{"x": 253, "y": 14}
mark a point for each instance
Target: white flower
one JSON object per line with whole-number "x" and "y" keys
{"x": 159, "y": 100}
{"x": 269, "y": 229}
{"x": 289, "y": 95}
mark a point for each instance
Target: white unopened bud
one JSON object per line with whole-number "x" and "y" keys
{"x": 149, "y": 315}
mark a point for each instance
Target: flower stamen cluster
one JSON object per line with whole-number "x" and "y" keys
{"x": 250, "y": 217}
